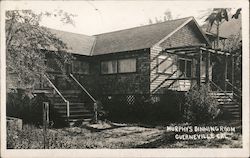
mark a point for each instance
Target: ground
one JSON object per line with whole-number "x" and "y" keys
{"x": 113, "y": 135}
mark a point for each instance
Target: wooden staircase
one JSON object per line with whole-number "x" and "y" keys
{"x": 228, "y": 103}
{"x": 79, "y": 109}
{"x": 68, "y": 105}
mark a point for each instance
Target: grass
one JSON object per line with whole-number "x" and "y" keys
{"x": 115, "y": 136}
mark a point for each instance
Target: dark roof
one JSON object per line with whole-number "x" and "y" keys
{"x": 124, "y": 40}
{"x": 135, "y": 38}
{"x": 77, "y": 43}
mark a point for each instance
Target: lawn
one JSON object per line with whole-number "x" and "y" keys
{"x": 123, "y": 136}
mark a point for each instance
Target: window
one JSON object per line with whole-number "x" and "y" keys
{"x": 80, "y": 67}
{"x": 118, "y": 66}
{"x": 53, "y": 65}
{"x": 165, "y": 64}
{"x": 186, "y": 67}
{"x": 126, "y": 65}
{"x": 109, "y": 67}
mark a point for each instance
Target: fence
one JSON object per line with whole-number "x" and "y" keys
{"x": 132, "y": 107}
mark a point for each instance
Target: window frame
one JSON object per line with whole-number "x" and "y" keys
{"x": 186, "y": 60}
{"x": 72, "y": 67}
{"x": 107, "y": 73}
{"x": 117, "y": 66}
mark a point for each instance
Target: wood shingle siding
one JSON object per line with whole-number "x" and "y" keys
{"x": 187, "y": 35}
{"x": 123, "y": 83}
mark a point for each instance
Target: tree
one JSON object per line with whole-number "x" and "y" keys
{"x": 167, "y": 16}
{"x": 217, "y": 17}
{"x": 27, "y": 43}
{"x": 233, "y": 44}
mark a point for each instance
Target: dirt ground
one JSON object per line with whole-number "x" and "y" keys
{"x": 123, "y": 136}
{"x": 106, "y": 135}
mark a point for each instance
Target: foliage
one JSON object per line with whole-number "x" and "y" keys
{"x": 28, "y": 109}
{"x": 167, "y": 16}
{"x": 219, "y": 15}
{"x": 200, "y": 106}
{"x": 27, "y": 44}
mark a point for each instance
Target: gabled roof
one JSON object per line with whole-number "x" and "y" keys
{"x": 135, "y": 38}
{"x": 77, "y": 43}
{"x": 124, "y": 40}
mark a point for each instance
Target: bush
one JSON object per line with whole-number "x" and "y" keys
{"x": 200, "y": 106}
{"x": 21, "y": 105}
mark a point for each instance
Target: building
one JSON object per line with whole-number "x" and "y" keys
{"x": 174, "y": 55}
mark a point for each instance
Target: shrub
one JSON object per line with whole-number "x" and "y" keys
{"x": 22, "y": 105}
{"x": 200, "y": 106}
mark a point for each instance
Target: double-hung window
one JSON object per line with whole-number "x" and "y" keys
{"x": 80, "y": 67}
{"x": 118, "y": 66}
{"x": 109, "y": 67}
{"x": 126, "y": 65}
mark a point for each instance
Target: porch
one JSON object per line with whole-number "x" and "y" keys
{"x": 204, "y": 62}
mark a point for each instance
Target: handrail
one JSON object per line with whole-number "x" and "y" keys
{"x": 91, "y": 97}
{"x": 215, "y": 85}
{"x": 234, "y": 87}
{"x": 221, "y": 90}
{"x": 59, "y": 93}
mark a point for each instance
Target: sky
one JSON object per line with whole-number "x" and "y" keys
{"x": 95, "y": 17}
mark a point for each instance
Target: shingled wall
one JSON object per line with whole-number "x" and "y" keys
{"x": 187, "y": 35}
{"x": 122, "y": 83}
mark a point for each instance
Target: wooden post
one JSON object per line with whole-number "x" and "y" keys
{"x": 45, "y": 123}
{"x": 225, "y": 73}
{"x": 95, "y": 111}
{"x": 207, "y": 66}
{"x": 232, "y": 80}
{"x": 198, "y": 68}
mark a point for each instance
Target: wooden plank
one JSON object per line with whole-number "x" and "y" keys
{"x": 232, "y": 80}
{"x": 198, "y": 68}
{"x": 207, "y": 66}
{"x": 225, "y": 73}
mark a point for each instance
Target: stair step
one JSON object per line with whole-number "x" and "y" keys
{"x": 78, "y": 116}
{"x": 74, "y": 111}
{"x": 79, "y": 119}
{"x": 70, "y": 91}
{"x": 71, "y": 104}
{"x": 229, "y": 105}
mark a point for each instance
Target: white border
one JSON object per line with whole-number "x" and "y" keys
{"x": 244, "y": 152}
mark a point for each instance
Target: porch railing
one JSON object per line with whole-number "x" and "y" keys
{"x": 60, "y": 94}
{"x": 235, "y": 89}
{"x": 221, "y": 90}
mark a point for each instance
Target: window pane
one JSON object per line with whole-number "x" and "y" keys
{"x": 165, "y": 64}
{"x": 109, "y": 67}
{"x": 182, "y": 67}
{"x": 53, "y": 65}
{"x": 80, "y": 67}
{"x": 188, "y": 69}
{"x": 127, "y": 65}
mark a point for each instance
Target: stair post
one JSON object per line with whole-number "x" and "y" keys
{"x": 95, "y": 111}
{"x": 232, "y": 79}
{"x": 225, "y": 73}
{"x": 68, "y": 114}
